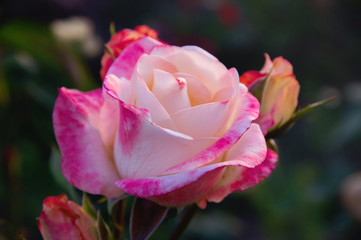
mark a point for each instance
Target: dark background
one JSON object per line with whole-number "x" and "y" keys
{"x": 306, "y": 197}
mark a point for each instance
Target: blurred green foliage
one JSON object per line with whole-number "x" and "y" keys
{"x": 300, "y": 200}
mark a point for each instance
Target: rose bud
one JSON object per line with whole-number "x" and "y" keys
{"x": 121, "y": 40}
{"x": 64, "y": 219}
{"x": 278, "y": 95}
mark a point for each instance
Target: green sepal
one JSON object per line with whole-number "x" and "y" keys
{"x": 297, "y": 115}
{"x": 88, "y": 206}
{"x": 103, "y": 229}
{"x": 109, "y": 51}
{"x": 271, "y": 144}
{"x": 112, "y": 28}
{"x": 257, "y": 89}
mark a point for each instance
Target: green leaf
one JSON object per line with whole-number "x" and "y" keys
{"x": 297, "y": 115}
{"x": 88, "y": 206}
{"x": 145, "y": 218}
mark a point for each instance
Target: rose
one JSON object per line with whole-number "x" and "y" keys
{"x": 279, "y": 94}
{"x": 171, "y": 124}
{"x": 121, "y": 40}
{"x": 64, "y": 219}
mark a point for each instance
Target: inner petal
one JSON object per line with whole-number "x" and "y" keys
{"x": 197, "y": 62}
{"x": 206, "y": 120}
{"x": 198, "y": 93}
{"x": 146, "y": 99}
{"x": 170, "y": 91}
{"x": 148, "y": 63}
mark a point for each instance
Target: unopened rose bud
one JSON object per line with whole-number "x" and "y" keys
{"x": 120, "y": 41}
{"x": 278, "y": 94}
{"x": 64, "y": 219}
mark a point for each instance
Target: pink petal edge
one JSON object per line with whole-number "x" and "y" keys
{"x": 86, "y": 160}
{"x": 247, "y": 177}
{"x": 233, "y": 134}
{"x": 191, "y": 186}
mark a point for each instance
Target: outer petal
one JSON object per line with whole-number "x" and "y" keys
{"x": 248, "y": 111}
{"x": 265, "y": 121}
{"x": 280, "y": 98}
{"x": 250, "y": 149}
{"x": 144, "y": 149}
{"x": 194, "y": 185}
{"x": 286, "y": 102}
{"x": 250, "y": 78}
{"x": 279, "y": 65}
{"x": 86, "y": 161}
{"x": 174, "y": 190}
{"x": 240, "y": 178}
{"x": 124, "y": 65}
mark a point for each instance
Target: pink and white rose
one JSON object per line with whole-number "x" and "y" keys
{"x": 62, "y": 219}
{"x": 170, "y": 124}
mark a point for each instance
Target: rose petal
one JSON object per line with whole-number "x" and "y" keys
{"x": 144, "y": 149}
{"x": 198, "y": 93}
{"x": 250, "y": 78}
{"x": 124, "y": 65}
{"x": 171, "y": 92}
{"x": 174, "y": 190}
{"x": 197, "y": 62}
{"x": 210, "y": 119}
{"x": 120, "y": 88}
{"x": 86, "y": 160}
{"x": 286, "y": 100}
{"x": 206, "y": 120}
{"x": 240, "y": 178}
{"x": 193, "y": 185}
{"x": 146, "y": 99}
{"x": 247, "y": 112}
{"x": 147, "y": 64}
{"x": 265, "y": 121}
{"x": 250, "y": 149}
{"x": 279, "y": 65}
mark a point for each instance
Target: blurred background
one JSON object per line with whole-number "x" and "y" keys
{"x": 314, "y": 193}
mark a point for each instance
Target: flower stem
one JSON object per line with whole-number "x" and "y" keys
{"x": 118, "y": 213}
{"x": 189, "y": 213}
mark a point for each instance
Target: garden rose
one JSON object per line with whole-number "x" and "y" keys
{"x": 279, "y": 94}
{"x": 64, "y": 219}
{"x": 121, "y": 40}
{"x": 171, "y": 124}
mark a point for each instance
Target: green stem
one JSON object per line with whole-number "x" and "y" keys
{"x": 118, "y": 214}
{"x": 189, "y": 213}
